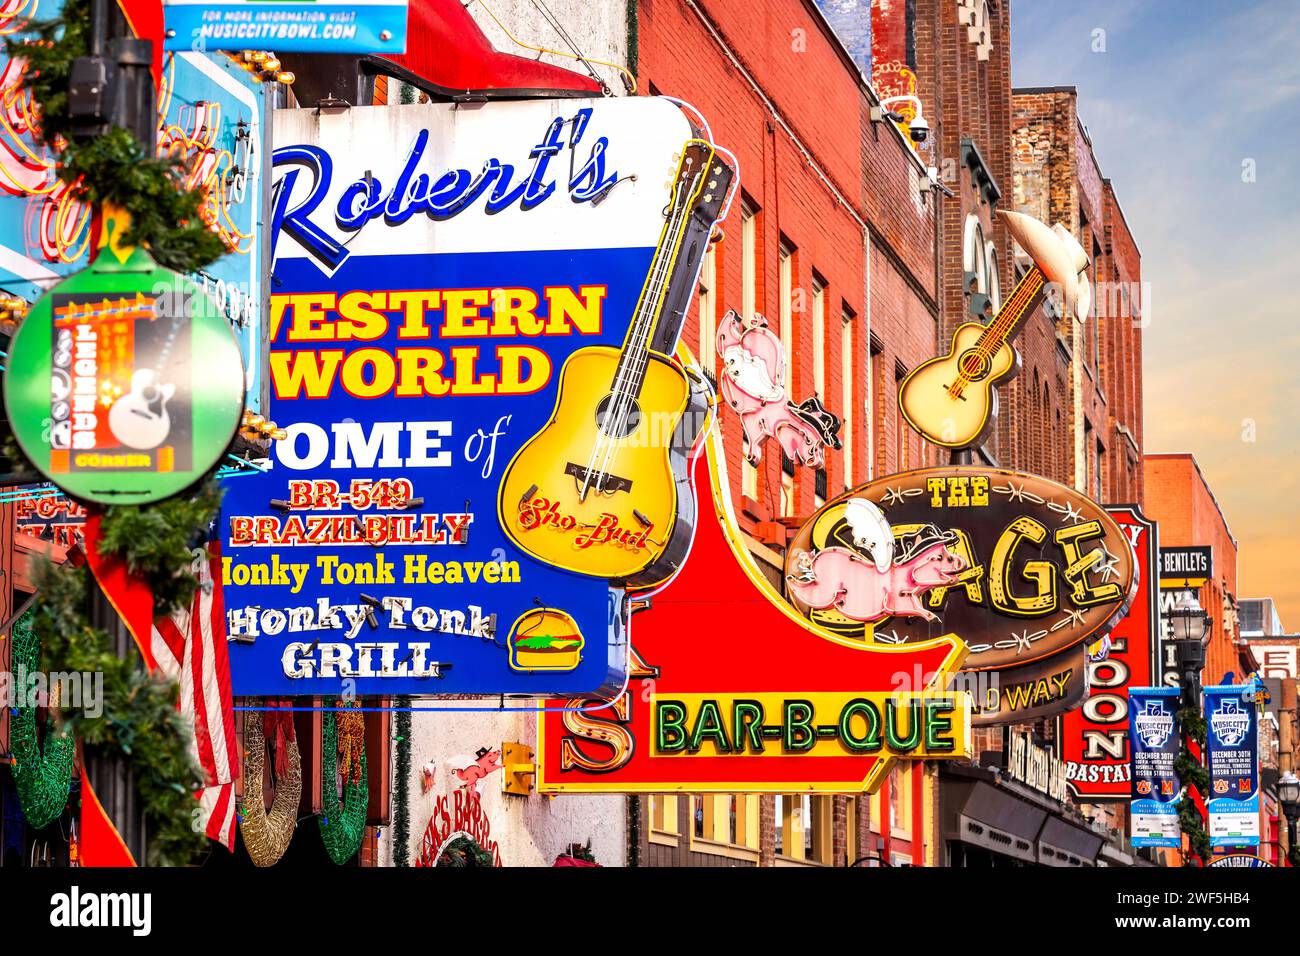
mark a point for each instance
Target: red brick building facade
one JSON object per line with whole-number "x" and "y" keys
{"x": 833, "y": 240}
{"x": 865, "y": 268}
{"x": 1181, "y": 500}
{"x": 1082, "y": 380}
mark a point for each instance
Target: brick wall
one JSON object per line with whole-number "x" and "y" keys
{"x": 1119, "y": 305}
{"x": 782, "y": 93}
{"x": 1090, "y": 369}
{"x": 1181, "y": 500}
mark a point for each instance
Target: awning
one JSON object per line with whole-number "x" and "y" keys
{"x": 1005, "y": 817}
{"x": 1061, "y": 843}
{"x": 447, "y": 54}
{"x": 996, "y": 821}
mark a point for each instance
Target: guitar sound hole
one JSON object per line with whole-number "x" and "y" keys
{"x": 617, "y": 429}
{"x": 973, "y": 365}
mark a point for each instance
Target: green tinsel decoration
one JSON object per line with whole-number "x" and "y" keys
{"x": 401, "y": 795}
{"x": 342, "y": 826}
{"x": 138, "y": 719}
{"x": 42, "y": 780}
{"x": 113, "y": 168}
{"x": 1192, "y": 774}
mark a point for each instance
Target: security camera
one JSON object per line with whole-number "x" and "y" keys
{"x": 918, "y": 129}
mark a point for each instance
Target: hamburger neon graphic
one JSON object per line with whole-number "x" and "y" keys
{"x": 545, "y": 639}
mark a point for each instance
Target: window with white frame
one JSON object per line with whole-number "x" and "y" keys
{"x": 847, "y": 359}
{"x": 707, "y": 301}
{"x": 785, "y": 288}
{"x": 994, "y": 278}
{"x": 819, "y": 337}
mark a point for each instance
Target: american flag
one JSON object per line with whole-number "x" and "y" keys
{"x": 190, "y": 648}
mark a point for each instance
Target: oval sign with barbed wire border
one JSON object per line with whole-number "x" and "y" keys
{"x": 1020, "y": 567}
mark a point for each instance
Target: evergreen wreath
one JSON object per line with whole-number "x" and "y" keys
{"x": 465, "y": 851}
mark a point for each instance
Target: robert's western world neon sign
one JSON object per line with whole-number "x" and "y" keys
{"x": 438, "y": 194}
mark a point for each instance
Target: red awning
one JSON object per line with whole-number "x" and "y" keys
{"x": 447, "y": 53}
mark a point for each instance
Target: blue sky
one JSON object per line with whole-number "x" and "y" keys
{"x": 1184, "y": 93}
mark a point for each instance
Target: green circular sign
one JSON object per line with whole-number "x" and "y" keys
{"x": 124, "y": 384}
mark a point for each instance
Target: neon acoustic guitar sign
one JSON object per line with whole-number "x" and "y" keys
{"x": 761, "y": 701}
{"x": 594, "y": 491}
{"x": 951, "y": 400}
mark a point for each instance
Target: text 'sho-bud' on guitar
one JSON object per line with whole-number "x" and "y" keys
{"x": 596, "y": 490}
{"x": 951, "y": 399}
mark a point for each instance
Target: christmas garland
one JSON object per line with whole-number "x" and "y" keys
{"x": 402, "y": 775}
{"x": 139, "y": 719}
{"x": 342, "y": 825}
{"x": 267, "y": 835}
{"x": 1193, "y": 775}
{"x": 42, "y": 780}
{"x": 113, "y": 168}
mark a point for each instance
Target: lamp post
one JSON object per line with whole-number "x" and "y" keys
{"x": 1288, "y": 794}
{"x": 1190, "y": 626}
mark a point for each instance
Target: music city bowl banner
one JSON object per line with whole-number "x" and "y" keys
{"x": 296, "y": 26}
{"x": 1232, "y": 759}
{"x": 1095, "y": 737}
{"x": 434, "y": 270}
{"x": 1153, "y": 747}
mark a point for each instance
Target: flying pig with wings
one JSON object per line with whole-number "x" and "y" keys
{"x": 890, "y": 581}
{"x": 753, "y": 384}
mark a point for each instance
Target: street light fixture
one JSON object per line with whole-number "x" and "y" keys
{"x": 1190, "y": 627}
{"x": 1288, "y": 795}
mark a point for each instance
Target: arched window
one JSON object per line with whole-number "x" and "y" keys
{"x": 1045, "y": 442}
{"x": 993, "y": 278}
{"x": 974, "y": 256}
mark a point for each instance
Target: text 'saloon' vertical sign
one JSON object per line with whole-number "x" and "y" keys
{"x": 1095, "y": 738}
